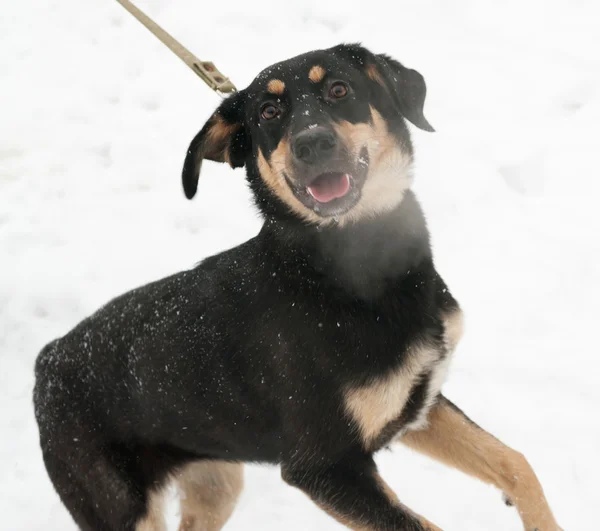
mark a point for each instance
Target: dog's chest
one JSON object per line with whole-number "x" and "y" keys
{"x": 400, "y": 400}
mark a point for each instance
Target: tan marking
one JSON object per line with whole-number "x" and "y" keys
{"x": 154, "y": 519}
{"x": 218, "y": 140}
{"x": 316, "y": 74}
{"x": 356, "y": 525}
{"x": 227, "y": 156}
{"x": 389, "y": 173}
{"x": 427, "y": 525}
{"x": 439, "y": 372}
{"x": 453, "y": 328}
{"x": 272, "y": 175}
{"x": 374, "y": 75}
{"x": 276, "y": 86}
{"x": 345, "y": 520}
{"x": 395, "y": 504}
{"x": 387, "y": 490}
{"x": 455, "y": 441}
{"x": 375, "y": 405}
{"x": 388, "y": 176}
{"x": 209, "y": 492}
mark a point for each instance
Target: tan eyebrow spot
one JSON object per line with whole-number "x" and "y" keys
{"x": 373, "y": 73}
{"x": 316, "y": 74}
{"x": 276, "y": 86}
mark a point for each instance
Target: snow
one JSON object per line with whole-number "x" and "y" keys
{"x": 97, "y": 116}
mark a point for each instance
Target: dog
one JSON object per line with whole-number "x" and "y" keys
{"x": 313, "y": 345}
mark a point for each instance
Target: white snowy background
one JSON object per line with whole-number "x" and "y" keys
{"x": 95, "y": 119}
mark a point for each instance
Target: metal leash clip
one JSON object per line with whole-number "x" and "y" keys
{"x": 206, "y": 70}
{"x": 211, "y": 75}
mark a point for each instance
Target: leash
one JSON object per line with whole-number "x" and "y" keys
{"x": 206, "y": 70}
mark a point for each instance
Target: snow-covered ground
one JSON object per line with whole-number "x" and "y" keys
{"x": 96, "y": 116}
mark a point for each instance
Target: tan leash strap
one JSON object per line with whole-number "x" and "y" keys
{"x": 205, "y": 69}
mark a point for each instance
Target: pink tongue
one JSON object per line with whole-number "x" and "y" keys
{"x": 328, "y": 188}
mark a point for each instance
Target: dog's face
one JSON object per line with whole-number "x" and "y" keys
{"x": 322, "y": 135}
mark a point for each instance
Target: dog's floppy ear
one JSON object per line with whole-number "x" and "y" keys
{"x": 406, "y": 86}
{"x": 224, "y": 138}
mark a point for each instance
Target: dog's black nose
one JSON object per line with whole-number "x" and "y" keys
{"x": 314, "y": 145}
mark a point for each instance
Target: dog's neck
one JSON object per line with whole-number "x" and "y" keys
{"x": 362, "y": 257}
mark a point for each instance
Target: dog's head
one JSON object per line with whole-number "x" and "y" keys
{"x": 322, "y": 135}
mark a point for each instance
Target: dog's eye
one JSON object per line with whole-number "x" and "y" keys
{"x": 269, "y": 111}
{"x": 338, "y": 90}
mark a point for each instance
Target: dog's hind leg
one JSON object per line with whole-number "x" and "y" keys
{"x": 101, "y": 484}
{"x": 452, "y": 438}
{"x": 99, "y": 495}
{"x": 209, "y": 491}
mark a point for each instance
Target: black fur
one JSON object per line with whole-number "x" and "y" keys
{"x": 246, "y": 357}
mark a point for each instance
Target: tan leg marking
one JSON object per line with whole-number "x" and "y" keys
{"x": 375, "y": 405}
{"x": 209, "y": 493}
{"x": 358, "y": 526}
{"x": 276, "y": 86}
{"x": 316, "y": 74}
{"x": 154, "y": 519}
{"x": 351, "y": 523}
{"x": 394, "y": 499}
{"x": 453, "y": 328}
{"x": 344, "y": 520}
{"x": 454, "y": 440}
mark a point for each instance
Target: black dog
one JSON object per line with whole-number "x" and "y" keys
{"x": 313, "y": 345}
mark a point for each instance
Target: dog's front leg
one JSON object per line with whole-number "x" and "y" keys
{"x": 452, "y": 438}
{"x": 352, "y": 492}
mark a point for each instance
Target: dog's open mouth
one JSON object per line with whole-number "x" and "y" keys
{"x": 335, "y": 191}
{"x": 329, "y": 186}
